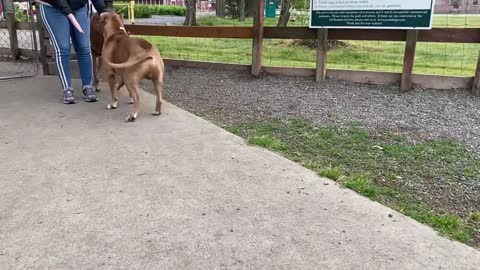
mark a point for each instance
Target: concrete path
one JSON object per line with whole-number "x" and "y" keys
{"x": 82, "y": 189}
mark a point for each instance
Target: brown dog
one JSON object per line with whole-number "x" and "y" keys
{"x": 96, "y": 42}
{"x": 133, "y": 59}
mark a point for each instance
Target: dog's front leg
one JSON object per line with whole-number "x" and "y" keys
{"x": 158, "y": 86}
{"x": 112, "y": 82}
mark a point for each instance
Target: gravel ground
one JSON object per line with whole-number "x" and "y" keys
{"x": 227, "y": 97}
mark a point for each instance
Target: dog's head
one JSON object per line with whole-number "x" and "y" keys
{"x": 112, "y": 22}
{"x": 96, "y": 34}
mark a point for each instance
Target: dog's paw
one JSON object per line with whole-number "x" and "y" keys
{"x": 130, "y": 118}
{"x": 111, "y": 107}
{"x": 130, "y": 100}
{"x": 98, "y": 89}
{"x": 156, "y": 113}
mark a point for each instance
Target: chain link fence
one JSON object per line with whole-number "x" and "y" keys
{"x": 18, "y": 42}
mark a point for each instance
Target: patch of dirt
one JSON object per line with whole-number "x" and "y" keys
{"x": 313, "y": 43}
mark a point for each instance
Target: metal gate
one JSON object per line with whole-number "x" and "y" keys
{"x": 18, "y": 41}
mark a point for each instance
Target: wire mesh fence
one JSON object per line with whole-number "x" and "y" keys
{"x": 18, "y": 42}
{"x": 217, "y": 50}
{"x": 454, "y": 59}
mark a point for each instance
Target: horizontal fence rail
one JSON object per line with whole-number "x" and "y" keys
{"x": 441, "y": 35}
{"x": 192, "y": 32}
{"x": 449, "y": 35}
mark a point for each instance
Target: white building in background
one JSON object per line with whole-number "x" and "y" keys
{"x": 457, "y": 6}
{"x": 202, "y": 5}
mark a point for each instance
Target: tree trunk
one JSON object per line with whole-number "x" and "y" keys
{"x": 251, "y": 8}
{"x": 194, "y": 13}
{"x": 242, "y": 10}
{"x": 284, "y": 13}
{"x": 217, "y": 8}
{"x": 220, "y": 8}
{"x": 188, "y": 16}
{"x": 191, "y": 17}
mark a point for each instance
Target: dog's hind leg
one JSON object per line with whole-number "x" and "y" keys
{"x": 97, "y": 63}
{"x": 158, "y": 86}
{"x": 133, "y": 90}
{"x": 112, "y": 83}
{"x": 99, "y": 67}
{"x": 122, "y": 83}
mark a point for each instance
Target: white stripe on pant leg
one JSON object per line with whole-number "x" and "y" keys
{"x": 58, "y": 57}
{"x": 91, "y": 60}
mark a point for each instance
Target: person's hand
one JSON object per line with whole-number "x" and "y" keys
{"x": 75, "y": 22}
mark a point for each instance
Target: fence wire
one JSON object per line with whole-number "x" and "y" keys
{"x": 24, "y": 61}
{"x": 455, "y": 59}
{"x": 217, "y": 50}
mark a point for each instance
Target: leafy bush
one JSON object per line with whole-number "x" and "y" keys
{"x": 301, "y": 4}
{"x": 20, "y": 15}
{"x": 147, "y": 11}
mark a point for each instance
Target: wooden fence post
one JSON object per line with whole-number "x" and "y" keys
{"x": 12, "y": 32}
{"x": 44, "y": 43}
{"x": 476, "y": 80}
{"x": 322, "y": 48}
{"x": 409, "y": 60}
{"x": 257, "y": 46}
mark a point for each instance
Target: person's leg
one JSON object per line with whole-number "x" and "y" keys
{"x": 58, "y": 27}
{"x": 81, "y": 42}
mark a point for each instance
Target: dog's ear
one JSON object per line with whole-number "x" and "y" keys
{"x": 104, "y": 17}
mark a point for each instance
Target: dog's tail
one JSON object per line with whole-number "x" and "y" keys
{"x": 131, "y": 62}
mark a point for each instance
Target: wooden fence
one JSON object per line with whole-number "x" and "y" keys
{"x": 259, "y": 32}
{"x": 406, "y": 79}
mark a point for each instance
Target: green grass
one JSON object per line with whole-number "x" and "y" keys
{"x": 431, "y": 58}
{"x": 375, "y": 167}
{"x": 453, "y": 20}
{"x": 363, "y": 185}
{"x": 268, "y": 142}
{"x": 475, "y": 217}
{"x": 332, "y": 173}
